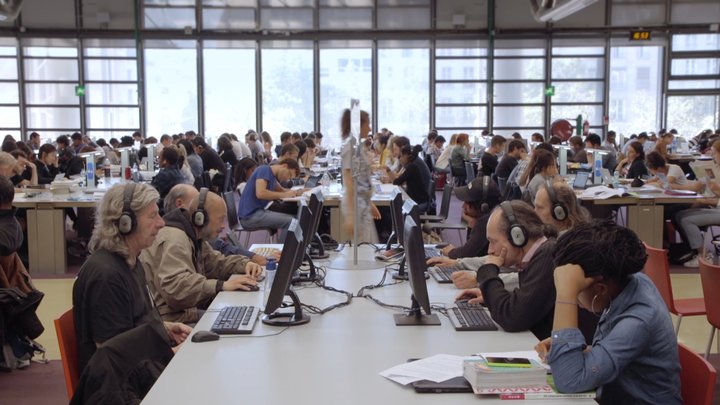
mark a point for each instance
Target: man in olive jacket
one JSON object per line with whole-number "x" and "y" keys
{"x": 183, "y": 272}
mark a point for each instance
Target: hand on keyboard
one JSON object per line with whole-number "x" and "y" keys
{"x": 472, "y": 296}
{"x": 464, "y": 279}
{"x": 244, "y": 282}
{"x": 441, "y": 261}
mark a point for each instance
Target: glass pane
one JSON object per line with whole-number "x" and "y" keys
{"x": 593, "y": 113}
{"x": 287, "y": 96}
{"x": 404, "y": 91}
{"x": 578, "y": 50}
{"x": 106, "y": 135}
{"x": 39, "y": 51}
{"x": 171, "y": 91}
{"x": 403, "y": 2}
{"x": 346, "y": 3}
{"x": 460, "y": 69}
{"x": 696, "y": 42}
{"x": 10, "y": 117}
{"x": 459, "y": 117}
{"x": 53, "y": 117}
{"x": 692, "y": 114}
{"x": 110, "y": 48}
{"x": 104, "y": 117}
{"x": 111, "y": 69}
{"x": 520, "y": 93}
{"x": 51, "y": 69}
{"x": 169, "y": 18}
{"x": 228, "y": 18}
{"x": 447, "y": 133}
{"x": 635, "y": 92}
{"x": 461, "y": 48}
{"x": 345, "y": 18}
{"x": 287, "y": 3}
{"x": 229, "y": 103}
{"x": 8, "y": 51}
{"x": 518, "y": 116}
{"x": 107, "y": 93}
{"x": 576, "y": 68}
{"x": 8, "y": 69}
{"x": 286, "y": 18}
{"x": 698, "y": 66}
{"x": 344, "y": 74}
{"x": 578, "y": 92}
{"x": 524, "y": 132}
{"x": 51, "y": 93}
{"x": 693, "y": 84}
{"x": 169, "y": 2}
{"x": 403, "y": 18}
{"x": 519, "y": 69}
{"x": 9, "y": 94}
{"x": 519, "y": 52}
{"x": 230, "y": 3}
{"x": 460, "y": 93}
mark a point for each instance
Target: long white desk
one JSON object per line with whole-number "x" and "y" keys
{"x": 335, "y": 359}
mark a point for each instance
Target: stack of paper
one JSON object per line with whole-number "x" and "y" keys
{"x": 440, "y": 367}
{"x": 483, "y": 376}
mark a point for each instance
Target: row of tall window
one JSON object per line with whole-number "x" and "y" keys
{"x": 56, "y": 86}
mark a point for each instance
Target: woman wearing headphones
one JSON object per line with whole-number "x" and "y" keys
{"x": 556, "y": 205}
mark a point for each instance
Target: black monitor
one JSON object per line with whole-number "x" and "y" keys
{"x": 415, "y": 255}
{"x": 409, "y": 209}
{"x": 316, "y": 204}
{"x": 397, "y": 219}
{"x": 281, "y": 284}
{"x": 306, "y": 220}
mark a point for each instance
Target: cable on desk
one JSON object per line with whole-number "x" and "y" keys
{"x": 320, "y": 282}
{"x": 254, "y": 336}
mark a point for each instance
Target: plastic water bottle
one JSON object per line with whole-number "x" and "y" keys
{"x": 270, "y": 270}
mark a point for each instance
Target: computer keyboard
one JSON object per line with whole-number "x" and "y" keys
{"x": 235, "y": 320}
{"x": 470, "y": 317}
{"x": 266, "y": 251}
{"x": 443, "y": 274}
{"x": 432, "y": 252}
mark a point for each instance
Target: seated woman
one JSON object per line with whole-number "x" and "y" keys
{"x": 633, "y": 165}
{"x": 705, "y": 212}
{"x": 634, "y": 355}
{"x": 243, "y": 170}
{"x": 661, "y": 146}
{"x": 415, "y": 176}
{"x": 669, "y": 175}
{"x": 542, "y": 167}
{"x": 458, "y": 157}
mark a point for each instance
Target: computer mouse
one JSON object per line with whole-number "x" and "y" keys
{"x": 204, "y": 336}
{"x": 251, "y": 288}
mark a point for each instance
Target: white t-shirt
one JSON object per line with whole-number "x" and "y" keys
{"x": 676, "y": 172}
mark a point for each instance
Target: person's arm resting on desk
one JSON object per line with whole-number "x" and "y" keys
{"x": 218, "y": 266}
{"x": 262, "y": 192}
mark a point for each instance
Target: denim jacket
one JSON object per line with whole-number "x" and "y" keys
{"x": 634, "y": 356}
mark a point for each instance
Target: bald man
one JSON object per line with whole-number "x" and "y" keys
{"x": 180, "y": 196}
{"x": 183, "y": 272}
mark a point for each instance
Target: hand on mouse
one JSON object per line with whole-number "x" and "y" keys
{"x": 177, "y": 331}
{"x": 464, "y": 279}
{"x": 473, "y": 296}
{"x": 239, "y": 283}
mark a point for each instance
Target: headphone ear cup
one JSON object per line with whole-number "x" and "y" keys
{"x": 484, "y": 208}
{"x": 559, "y": 212}
{"x": 199, "y": 218}
{"x": 517, "y": 236}
{"x": 126, "y": 223}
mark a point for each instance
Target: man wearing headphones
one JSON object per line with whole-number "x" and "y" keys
{"x": 518, "y": 238}
{"x": 110, "y": 295}
{"x": 183, "y": 272}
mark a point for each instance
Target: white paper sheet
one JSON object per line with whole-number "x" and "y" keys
{"x": 437, "y": 368}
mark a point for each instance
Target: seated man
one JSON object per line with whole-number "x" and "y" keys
{"x": 110, "y": 295}
{"x": 287, "y": 151}
{"x": 489, "y": 159}
{"x": 181, "y": 196}
{"x": 515, "y": 152}
{"x": 183, "y": 272}
{"x": 609, "y": 161}
{"x": 518, "y": 238}
{"x": 262, "y": 188}
{"x": 578, "y": 150}
{"x": 169, "y": 174}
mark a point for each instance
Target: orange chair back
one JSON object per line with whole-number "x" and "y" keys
{"x": 65, "y": 328}
{"x": 697, "y": 377}
{"x": 657, "y": 268}
{"x": 710, "y": 276}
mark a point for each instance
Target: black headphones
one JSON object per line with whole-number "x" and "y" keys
{"x": 200, "y": 216}
{"x": 127, "y": 221}
{"x": 484, "y": 207}
{"x": 516, "y": 232}
{"x": 558, "y": 210}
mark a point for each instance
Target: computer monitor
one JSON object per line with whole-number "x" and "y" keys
{"x": 316, "y": 204}
{"x": 281, "y": 284}
{"x": 396, "y": 204}
{"x": 306, "y": 220}
{"x": 415, "y": 255}
{"x": 581, "y": 179}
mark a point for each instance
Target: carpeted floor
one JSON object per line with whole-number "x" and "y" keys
{"x": 39, "y": 384}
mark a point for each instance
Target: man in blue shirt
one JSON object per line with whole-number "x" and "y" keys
{"x": 264, "y": 187}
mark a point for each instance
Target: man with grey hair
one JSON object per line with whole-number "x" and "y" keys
{"x": 184, "y": 273}
{"x": 110, "y": 295}
{"x": 8, "y": 165}
{"x": 181, "y": 196}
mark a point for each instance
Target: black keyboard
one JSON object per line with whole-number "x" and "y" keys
{"x": 471, "y": 317}
{"x": 235, "y": 320}
{"x": 443, "y": 274}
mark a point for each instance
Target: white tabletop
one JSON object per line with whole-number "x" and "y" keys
{"x": 335, "y": 359}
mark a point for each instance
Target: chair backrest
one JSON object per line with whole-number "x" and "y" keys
{"x": 445, "y": 203}
{"x": 232, "y": 217}
{"x": 697, "y": 377}
{"x": 65, "y": 329}
{"x": 658, "y": 269}
{"x": 710, "y": 276}
{"x": 469, "y": 172}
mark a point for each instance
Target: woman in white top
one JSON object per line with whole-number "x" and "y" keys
{"x": 442, "y": 164}
{"x": 668, "y": 175}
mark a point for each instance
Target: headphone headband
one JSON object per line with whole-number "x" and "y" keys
{"x": 199, "y": 216}
{"x": 516, "y": 233}
{"x": 127, "y": 221}
{"x": 558, "y": 210}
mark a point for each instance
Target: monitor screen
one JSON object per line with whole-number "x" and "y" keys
{"x": 581, "y": 179}
{"x": 396, "y": 205}
{"x": 305, "y": 219}
{"x": 410, "y": 208}
{"x": 286, "y": 266}
{"x": 317, "y": 201}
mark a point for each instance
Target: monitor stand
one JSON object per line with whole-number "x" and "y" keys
{"x": 309, "y": 276}
{"x": 402, "y": 274}
{"x": 297, "y": 317}
{"x": 320, "y": 252}
{"x": 416, "y": 317}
